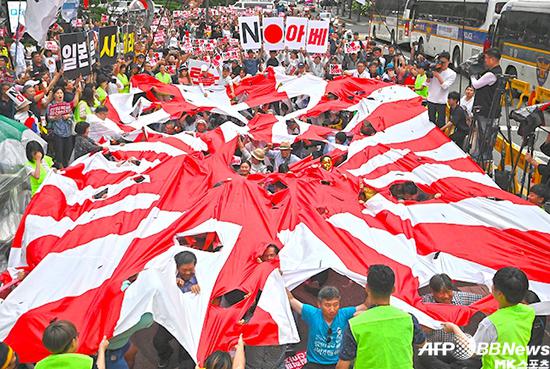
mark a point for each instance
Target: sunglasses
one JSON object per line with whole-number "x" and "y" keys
{"x": 329, "y": 334}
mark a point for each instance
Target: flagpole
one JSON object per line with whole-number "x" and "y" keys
{"x": 16, "y": 41}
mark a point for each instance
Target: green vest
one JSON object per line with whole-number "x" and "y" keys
{"x": 164, "y": 78}
{"x": 76, "y": 115}
{"x": 384, "y": 336}
{"x": 101, "y": 94}
{"x": 123, "y": 78}
{"x": 65, "y": 361}
{"x": 35, "y": 183}
{"x": 418, "y": 85}
{"x": 513, "y": 325}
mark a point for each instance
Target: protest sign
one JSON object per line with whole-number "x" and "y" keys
{"x": 317, "y": 36}
{"x": 107, "y": 45}
{"x": 75, "y": 56}
{"x": 295, "y": 33}
{"x": 249, "y": 32}
{"x": 58, "y": 109}
{"x": 274, "y": 33}
{"x": 16, "y": 97}
{"x": 195, "y": 70}
{"x": 335, "y": 69}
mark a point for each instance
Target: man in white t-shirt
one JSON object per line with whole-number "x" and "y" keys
{"x": 360, "y": 72}
{"x": 438, "y": 89}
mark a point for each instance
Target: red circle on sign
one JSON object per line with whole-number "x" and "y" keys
{"x": 273, "y": 34}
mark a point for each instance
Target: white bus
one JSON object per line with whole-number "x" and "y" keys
{"x": 390, "y": 21}
{"x": 448, "y": 25}
{"x": 523, "y": 36}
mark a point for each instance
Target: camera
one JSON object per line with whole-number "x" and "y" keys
{"x": 529, "y": 119}
{"x": 474, "y": 66}
{"x": 433, "y": 67}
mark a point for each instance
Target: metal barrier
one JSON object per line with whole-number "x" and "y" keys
{"x": 502, "y": 147}
{"x": 524, "y": 88}
{"x": 541, "y": 95}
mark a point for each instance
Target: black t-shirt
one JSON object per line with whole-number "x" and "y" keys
{"x": 458, "y": 117}
{"x": 272, "y": 62}
{"x": 38, "y": 70}
{"x": 68, "y": 96}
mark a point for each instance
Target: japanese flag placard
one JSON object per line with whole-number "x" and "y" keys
{"x": 352, "y": 47}
{"x": 295, "y": 35}
{"x": 335, "y": 69}
{"x": 274, "y": 33}
{"x": 249, "y": 32}
{"x": 317, "y": 36}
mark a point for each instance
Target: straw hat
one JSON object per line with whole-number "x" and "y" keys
{"x": 258, "y": 154}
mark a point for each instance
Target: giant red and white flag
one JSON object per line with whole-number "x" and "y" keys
{"x": 99, "y": 222}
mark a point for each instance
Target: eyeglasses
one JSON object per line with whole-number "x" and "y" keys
{"x": 329, "y": 334}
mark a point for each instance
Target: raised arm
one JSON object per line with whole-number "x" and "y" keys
{"x": 294, "y": 303}
{"x": 239, "y": 361}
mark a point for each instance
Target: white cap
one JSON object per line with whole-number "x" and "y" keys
{"x": 31, "y": 82}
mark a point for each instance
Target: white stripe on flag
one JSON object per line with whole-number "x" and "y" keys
{"x": 88, "y": 265}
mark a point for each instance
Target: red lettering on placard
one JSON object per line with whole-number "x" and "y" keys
{"x": 295, "y": 33}
{"x": 317, "y": 36}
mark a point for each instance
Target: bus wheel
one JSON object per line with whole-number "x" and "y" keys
{"x": 511, "y": 70}
{"x": 456, "y": 59}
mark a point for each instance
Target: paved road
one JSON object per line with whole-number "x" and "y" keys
{"x": 459, "y": 85}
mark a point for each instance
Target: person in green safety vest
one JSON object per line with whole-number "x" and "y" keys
{"x": 162, "y": 75}
{"x": 122, "y": 80}
{"x": 87, "y": 101}
{"x": 420, "y": 82}
{"x": 38, "y": 165}
{"x": 383, "y": 336}
{"x": 509, "y": 326}
{"x": 101, "y": 88}
{"x": 61, "y": 339}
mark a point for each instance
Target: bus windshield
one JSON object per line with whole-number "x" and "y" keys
{"x": 524, "y": 28}
{"x": 473, "y": 14}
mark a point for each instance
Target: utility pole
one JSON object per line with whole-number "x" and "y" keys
{"x": 350, "y": 6}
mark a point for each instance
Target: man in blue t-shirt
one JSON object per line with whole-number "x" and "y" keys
{"x": 326, "y": 324}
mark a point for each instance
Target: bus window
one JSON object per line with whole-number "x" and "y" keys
{"x": 499, "y": 6}
{"x": 475, "y": 15}
{"x": 525, "y": 28}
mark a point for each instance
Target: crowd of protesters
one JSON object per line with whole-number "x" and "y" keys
{"x": 337, "y": 336}
{"x": 36, "y": 73}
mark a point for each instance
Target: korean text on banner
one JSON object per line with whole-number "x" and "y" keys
{"x": 295, "y": 35}
{"x": 107, "y": 45}
{"x": 75, "y": 57}
{"x": 317, "y": 36}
